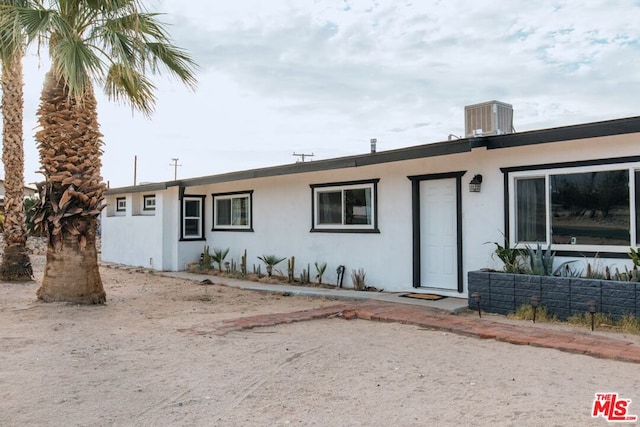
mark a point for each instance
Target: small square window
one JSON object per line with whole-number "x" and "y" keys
{"x": 149, "y": 203}
{"x": 121, "y": 204}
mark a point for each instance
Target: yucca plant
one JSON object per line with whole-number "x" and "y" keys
{"x": 218, "y": 256}
{"x": 512, "y": 258}
{"x": 634, "y": 254}
{"x": 320, "y": 269}
{"x": 270, "y": 261}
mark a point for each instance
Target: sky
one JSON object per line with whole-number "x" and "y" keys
{"x": 323, "y": 77}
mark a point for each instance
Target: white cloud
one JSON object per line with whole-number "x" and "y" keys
{"x": 326, "y": 76}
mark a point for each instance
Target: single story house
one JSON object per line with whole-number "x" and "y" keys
{"x": 28, "y": 192}
{"x": 414, "y": 219}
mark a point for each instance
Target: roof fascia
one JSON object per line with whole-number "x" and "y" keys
{"x": 565, "y": 133}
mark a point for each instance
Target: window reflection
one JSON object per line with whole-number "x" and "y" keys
{"x": 590, "y": 208}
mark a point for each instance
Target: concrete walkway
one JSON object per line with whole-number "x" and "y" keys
{"x": 437, "y": 315}
{"x": 450, "y": 305}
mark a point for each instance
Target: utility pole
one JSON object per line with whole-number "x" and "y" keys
{"x": 175, "y": 168}
{"x": 302, "y": 156}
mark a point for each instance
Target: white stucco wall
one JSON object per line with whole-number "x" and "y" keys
{"x": 133, "y": 239}
{"x": 282, "y": 216}
{"x": 282, "y": 220}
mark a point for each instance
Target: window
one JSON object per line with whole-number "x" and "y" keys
{"x": 192, "y": 217}
{"x": 591, "y": 208}
{"x": 121, "y": 204}
{"x": 531, "y": 214}
{"x": 345, "y": 207}
{"x": 588, "y": 208}
{"x": 149, "y": 202}
{"x": 232, "y": 211}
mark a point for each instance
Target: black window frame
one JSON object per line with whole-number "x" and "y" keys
{"x": 144, "y": 202}
{"x": 118, "y": 200}
{"x": 632, "y": 163}
{"x": 346, "y": 228}
{"x": 230, "y": 195}
{"x": 183, "y": 200}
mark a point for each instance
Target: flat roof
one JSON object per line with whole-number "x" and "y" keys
{"x": 558, "y": 134}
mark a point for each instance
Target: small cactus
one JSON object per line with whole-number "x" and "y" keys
{"x": 243, "y": 263}
{"x": 304, "y": 276}
{"x": 291, "y": 267}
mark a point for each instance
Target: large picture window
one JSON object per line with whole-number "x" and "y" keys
{"x": 344, "y": 207}
{"x": 232, "y": 211}
{"x": 591, "y": 208}
{"x": 192, "y": 217}
{"x": 588, "y": 208}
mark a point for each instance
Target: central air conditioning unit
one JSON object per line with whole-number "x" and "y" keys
{"x": 488, "y": 118}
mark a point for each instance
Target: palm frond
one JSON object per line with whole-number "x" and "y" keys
{"x": 77, "y": 63}
{"x": 114, "y": 42}
{"x": 176, "y": 60}
{"x": 127, "y": 85}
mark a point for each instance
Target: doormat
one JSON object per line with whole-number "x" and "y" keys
{"x": 430, "y": 297}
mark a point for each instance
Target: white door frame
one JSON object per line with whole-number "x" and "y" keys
{"x": 415, "y": 214}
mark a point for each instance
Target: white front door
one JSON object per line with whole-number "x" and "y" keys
{"x": 438, "y": 234}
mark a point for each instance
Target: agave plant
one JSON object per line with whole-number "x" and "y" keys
{"x": 270, "y": 261}
{"x": 541, "y": 263}
{"x": 540, "y": 260}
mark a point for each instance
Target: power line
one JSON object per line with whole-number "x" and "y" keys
{"x": 302, "y": 156}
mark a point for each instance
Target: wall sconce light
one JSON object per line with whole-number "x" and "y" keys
{"x": 475, "y": 184}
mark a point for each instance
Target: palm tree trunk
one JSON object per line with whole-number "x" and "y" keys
{"x": 16, "y": 265}
{"x": 72, "y": 274}
{"x": 70, "y": 143}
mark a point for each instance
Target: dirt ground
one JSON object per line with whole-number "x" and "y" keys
{"x": 131, "y": 363}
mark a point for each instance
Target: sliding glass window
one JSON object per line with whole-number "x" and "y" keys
{"x": 589, "y": 208}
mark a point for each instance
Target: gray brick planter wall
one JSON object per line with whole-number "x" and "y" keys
{"x": 503, "y": 293}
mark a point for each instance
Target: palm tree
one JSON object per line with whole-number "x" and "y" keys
{"x": 114, "y": 43}
{"x": 16, "y": 265}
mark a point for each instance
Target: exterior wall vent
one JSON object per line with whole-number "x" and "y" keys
{"x": 488, "y": 118}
